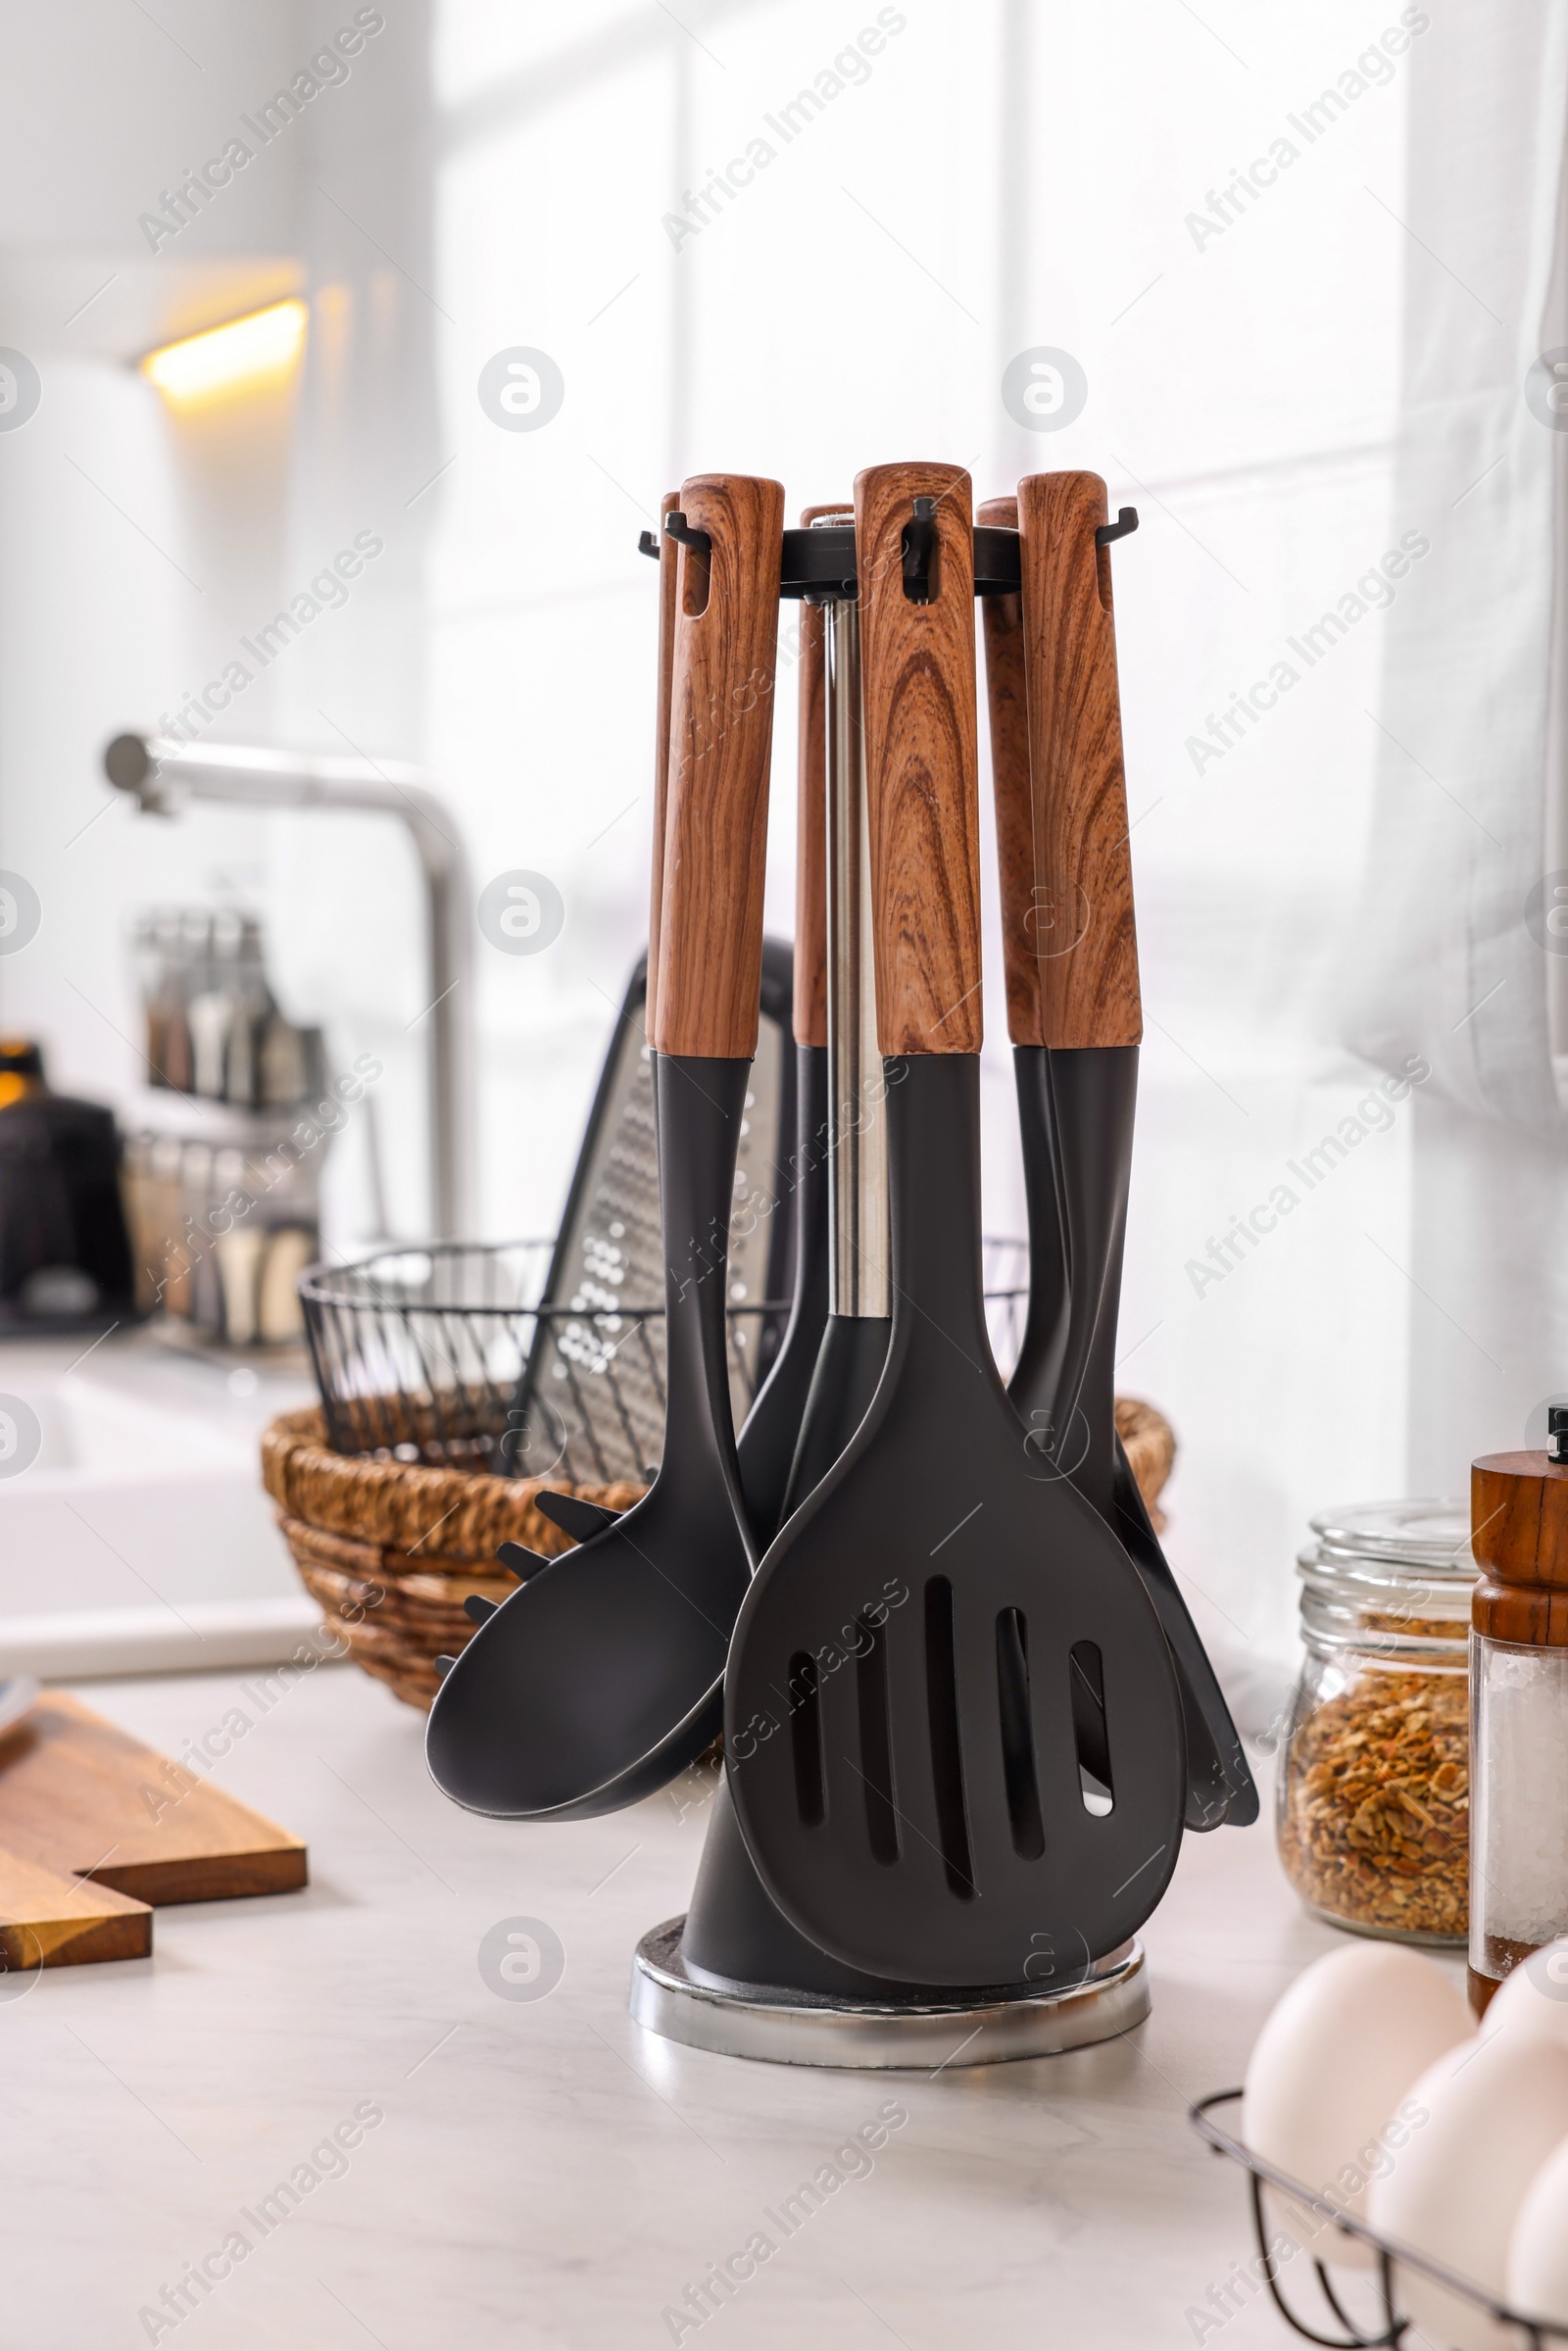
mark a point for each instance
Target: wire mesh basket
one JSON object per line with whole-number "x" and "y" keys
{"x": 451, "y": 1355}
{"x": 1394, "y": 2265}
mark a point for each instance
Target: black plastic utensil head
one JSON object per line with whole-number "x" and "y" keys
{"x": 849, "y": 1370}
{"x": 600, "y": 1678}
{"x": 766, "y": 1444}
{"x": 597, "y": 1681}
{"x": 1076, "y": 1113}
{"x": 953, "y": 1732}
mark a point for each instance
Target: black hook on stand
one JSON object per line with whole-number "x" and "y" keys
{"x": 919, "y": 551}
{"x": 675, "y": 527}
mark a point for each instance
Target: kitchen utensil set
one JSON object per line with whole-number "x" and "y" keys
{"x": 965, "y": 1712}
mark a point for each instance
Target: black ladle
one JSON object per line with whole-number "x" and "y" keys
{"x": 601, "y": 1677}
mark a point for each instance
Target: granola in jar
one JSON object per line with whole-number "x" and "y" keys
{"x": 1374, "y": 1787}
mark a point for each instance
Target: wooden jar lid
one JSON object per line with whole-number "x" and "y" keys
{"x": 1519, "y": 1535}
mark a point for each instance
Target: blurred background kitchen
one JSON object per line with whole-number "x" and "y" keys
{"x": 793, "y": 241}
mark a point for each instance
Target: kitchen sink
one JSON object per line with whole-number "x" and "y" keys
{"x": 134, "y": 1532}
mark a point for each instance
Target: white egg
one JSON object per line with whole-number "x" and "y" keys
{"x": 1537, "y": 2250}
{"x": 1482, "y": 2121}
{"x": 1534, "y": 2000}
{"x": 1330, "y": 2067}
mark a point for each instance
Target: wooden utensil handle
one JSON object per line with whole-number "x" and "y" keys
{"x": 917, "y": 671}
{"x": 668, "y": 552}
{"x": 720, "y": 734}
{"x": 811, "y": 839}
{"x": 1001, "y": 620}
{"x": 1086, "y": 941}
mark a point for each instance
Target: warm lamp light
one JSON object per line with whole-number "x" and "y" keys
{"x": 242, "y": 355}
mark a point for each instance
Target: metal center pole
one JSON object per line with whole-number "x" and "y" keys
{"x": 860, "y": 1276}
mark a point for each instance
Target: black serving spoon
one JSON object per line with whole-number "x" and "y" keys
{"x": 767, "y": 1443}
{"x": 952, "y": 1734}
{"x": 859, "y": 1323}
{"x": 1076, "y": 1018}
{"x": 601, "y": 1677}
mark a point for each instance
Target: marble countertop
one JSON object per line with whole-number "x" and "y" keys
{"x": 482, "y": 2171}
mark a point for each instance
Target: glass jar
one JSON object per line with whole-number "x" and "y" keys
{"x": 1374, "y": 1784}
{"x": 1519, "y": 1660}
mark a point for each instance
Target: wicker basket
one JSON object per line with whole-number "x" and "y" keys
{"x": 1150, "y": 1443}
{"x": 392, "y": 1548}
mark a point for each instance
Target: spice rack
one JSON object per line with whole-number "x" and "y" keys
{"x": 223, "y": 1159}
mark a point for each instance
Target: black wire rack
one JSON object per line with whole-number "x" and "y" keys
{"x": 450, "y": 1355}
{"x": 1391, "y": 2257}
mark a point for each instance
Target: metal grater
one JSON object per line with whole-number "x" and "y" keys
{"x": 596, "y": 1387}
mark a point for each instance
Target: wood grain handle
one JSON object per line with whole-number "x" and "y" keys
{"x": 811, "y": 837}
{"x": 721, "y": 737}
{"x": 917, "y": 673}
{"x": 1002, "y": 622}
{"x": 668, "y": 552}
{"x": 1086, "y": 942}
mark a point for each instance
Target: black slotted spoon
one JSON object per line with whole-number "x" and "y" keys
{"x": 944, "y": 1654}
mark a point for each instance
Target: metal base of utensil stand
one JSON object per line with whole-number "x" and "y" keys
{"x": 789, "y": 2028}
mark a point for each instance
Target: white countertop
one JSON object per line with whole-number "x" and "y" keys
{"x": 546, "y": 2172}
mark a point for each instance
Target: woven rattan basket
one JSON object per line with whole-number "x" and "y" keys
{"x": 392, "y": 1550}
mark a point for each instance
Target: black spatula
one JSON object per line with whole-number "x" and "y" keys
{"x": 1076, "y": 1035}
{"x": 954, "y": 1737}
{"x": 600, "y": 1678}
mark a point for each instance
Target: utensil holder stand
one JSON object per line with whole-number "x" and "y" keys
{"x": 734, "y": 1977}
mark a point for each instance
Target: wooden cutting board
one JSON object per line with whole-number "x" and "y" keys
{"x": 47, "y": 1921}
{"x": 80, "y": 1800}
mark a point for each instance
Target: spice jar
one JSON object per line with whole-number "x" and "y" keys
{"x": 1374, "y": 1784}
{"x": 1519, "y": 1865}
